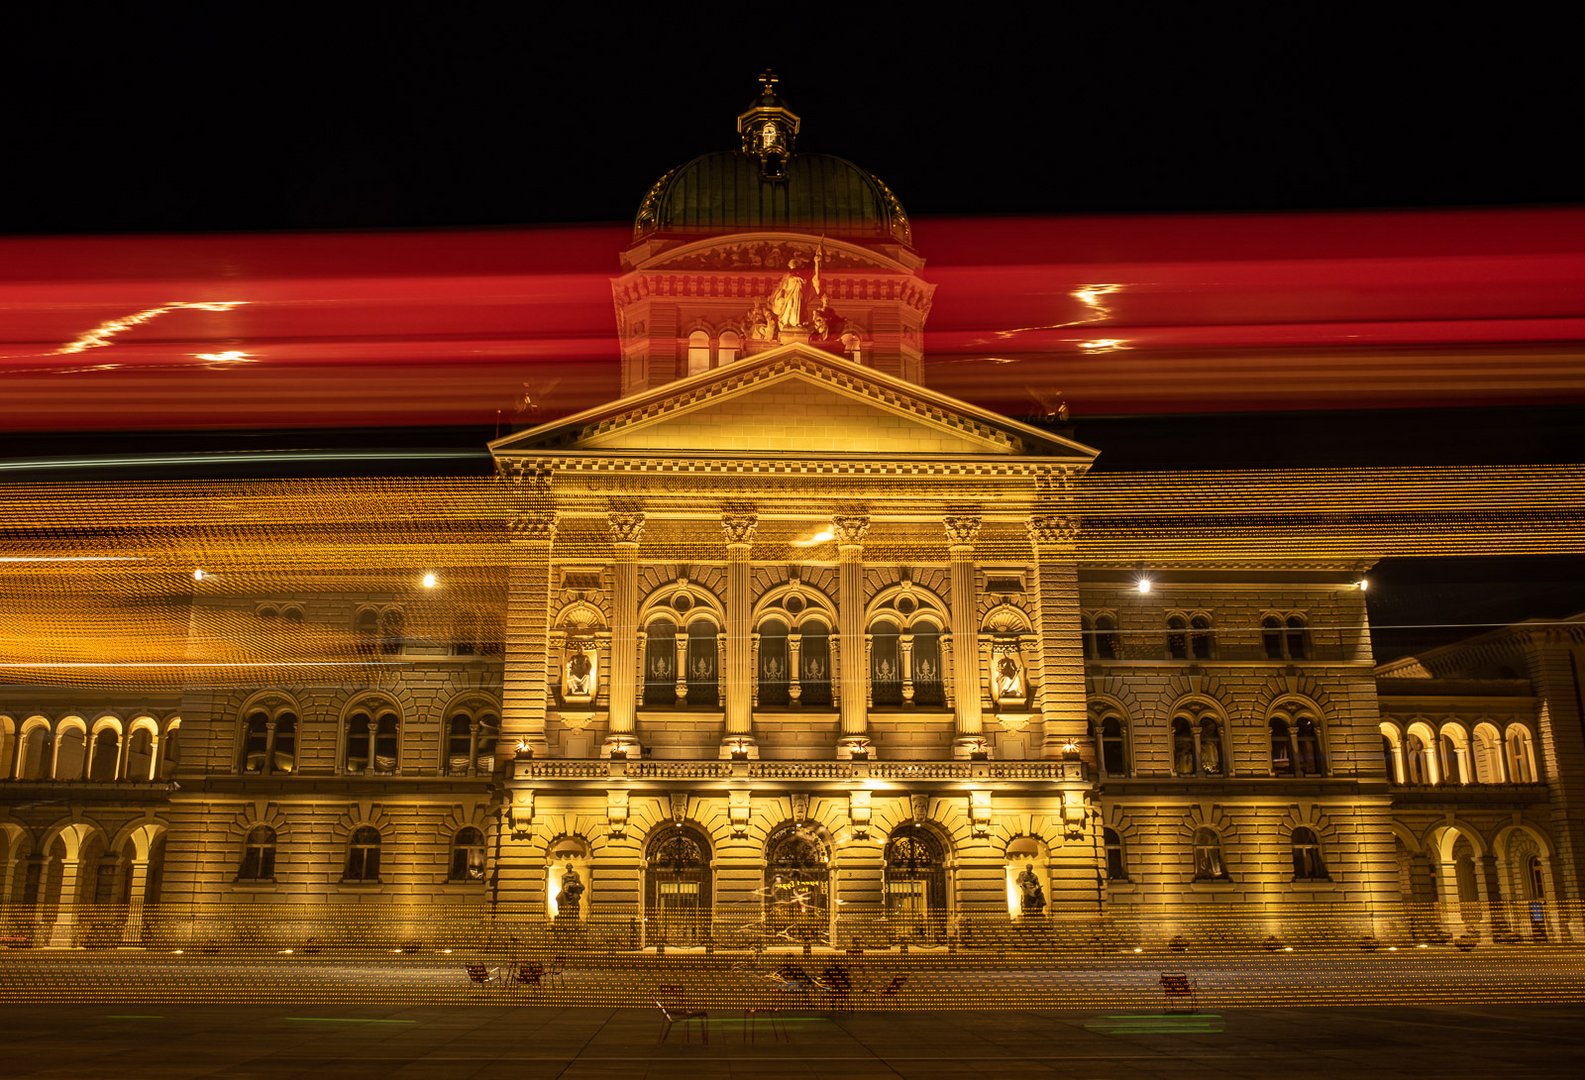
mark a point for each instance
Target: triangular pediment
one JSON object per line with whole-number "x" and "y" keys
{"x": 798, "y": 401}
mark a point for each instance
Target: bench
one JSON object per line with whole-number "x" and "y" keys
{"x": 1177, "y": 992}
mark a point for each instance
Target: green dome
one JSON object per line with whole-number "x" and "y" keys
{"x": 730, "y": 192}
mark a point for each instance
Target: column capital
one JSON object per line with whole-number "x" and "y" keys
{"x": 850, "y": 529}
{"x": 739, "y": 529}
{"x": 627, "y": 526}
{"x": 525, "y": 527}
{"x": 1053, "y": 530}
{"x": 962, "y": 530}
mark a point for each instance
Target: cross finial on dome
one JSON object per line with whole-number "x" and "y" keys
{"x": 769, "y": 128}
{"x": 767, "y": 82}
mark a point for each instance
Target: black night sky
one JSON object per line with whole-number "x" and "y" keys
{"x": 166, "y": 118}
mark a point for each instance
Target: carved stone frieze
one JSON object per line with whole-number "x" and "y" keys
{"x": 1054, "y": 529}
{"x": 525, "y": 527}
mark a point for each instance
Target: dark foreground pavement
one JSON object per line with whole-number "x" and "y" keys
{"x": 486, "y": 1041}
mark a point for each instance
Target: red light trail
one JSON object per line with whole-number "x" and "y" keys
{"x": 1117, "y": 315}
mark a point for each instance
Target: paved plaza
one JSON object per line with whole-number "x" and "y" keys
{"x": 487, "y": 1041}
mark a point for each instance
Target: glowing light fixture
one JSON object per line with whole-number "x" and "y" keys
{"x": 824, "y": 536}
{"x": 199, "y": 575}
{"x": 430, "y": 580}
{"x": 1363, "y": 584}
{"x": 1144, "y": 584}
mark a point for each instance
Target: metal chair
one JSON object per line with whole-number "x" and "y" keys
{"x": 674, "y": 1010}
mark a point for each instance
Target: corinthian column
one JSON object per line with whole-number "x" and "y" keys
{"x": 621, "y": 734}
{"x": 1061, "y": 692}
{"x": 739, "y": 737}
{"x": 849, "y": 533}
{"x": 961, "y": 534}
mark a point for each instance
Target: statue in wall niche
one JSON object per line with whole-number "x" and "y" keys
{"x": 580, "y": 671}
{"x": 1034, "y": 897}
{"x": 1008, "y": 685}
{"x": 569, "y": 901}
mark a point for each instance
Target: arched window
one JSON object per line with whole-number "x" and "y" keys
{"x": 698, "y": 352}
{"x": 1417, "y": 760}
{"x": 1208, "y": 864}
{"x": 1196, "y": 746}
{"x": 292, "y": 616}
{"x": 256, "y": 743}
{"x": 106, "y": 756}
{"x": 1307, "y": 739}
{"x": 467, "y": 855}
{"x": 728, "y": 349}
{"x": 1271, "y": 637}
{"x": 916, "y": 884}
{"x": 373, "y": 742}
{"x": 363, "y": 855}
{"x": 486, "y": 738}
{"x": 797, "y": 883}
{"x": 284, "y": 757}
{"x": 1307, "y": 862}
{"x": 140, "y": 755}
{"x": 1521, "y": 755}
{"x": 1107, "y": 644}
{"x": 1116, "y": 858}
{"x": 1114, "y": 746}
{"x": 1210, "y": 747}
{"x": 71, "y": 747}
{"x": 258, "y": 855}
{"x": 33, "y": 753}
{"x": 1488, "y": 755}
{"x": 1178, "y": 637}
{"x": 774, "y": 663}
{"x": 814, "y": 663}
{"x": 1285, "y": 637}
{"x": 928, "y": 691}
{"x": 366, "y": 627}
{"x": 393, "y": 624}
{"x": 886, "y": 668}
{"x": 1297, "y": 638}
{"x": 660, "y": 662}
{"x": 704, "y": 688}
{"x": 677, "y": 886}
{"x": 1185, "y": 757}
{"x": 170, "y": 749}
{"x": 1390, "y": 759}
{"x": 459, "y": 745}
{"x": 1202, "y": 640}
{"x": 1282, "y": 755}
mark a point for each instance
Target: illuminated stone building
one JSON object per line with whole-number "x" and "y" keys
{"x": 784, "y": 645}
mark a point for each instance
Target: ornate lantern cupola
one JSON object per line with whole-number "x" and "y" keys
{"x": 769, "y": 129}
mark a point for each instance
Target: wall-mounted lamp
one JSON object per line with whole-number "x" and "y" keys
{"x": 859, "y": 813}
{"x": 980, "y": 813}
{"x": 616, "y": 814}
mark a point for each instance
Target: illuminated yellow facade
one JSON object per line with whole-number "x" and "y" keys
{"x": 780, "y": 645}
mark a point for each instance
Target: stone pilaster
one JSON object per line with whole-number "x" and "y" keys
{"x": 738, "y": 667}
{"x": 850, "y": 532}
{"x": 627, "y": 528}
{"x": 1056, "y": 594}
{"x": 961, "y": 534}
